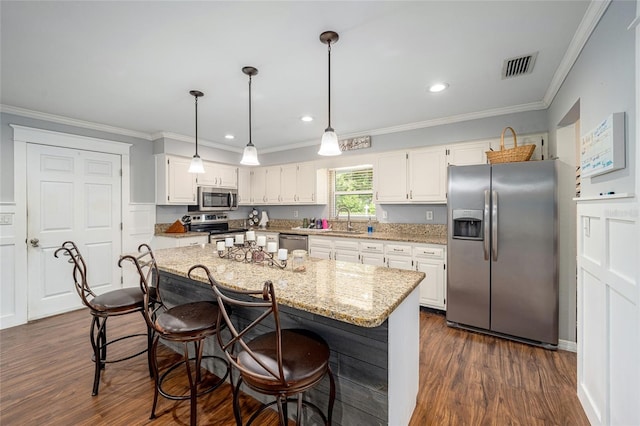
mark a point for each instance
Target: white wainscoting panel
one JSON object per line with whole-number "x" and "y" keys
{"x": 13, "y": 294}
{"x": 609, "y": 311}
{"x": 140, "y": 228}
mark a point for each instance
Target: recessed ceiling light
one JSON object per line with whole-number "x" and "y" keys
{"x": 438, "y": 87}
{"x": 229, "y": 136}
{"x": 306, "y": 118}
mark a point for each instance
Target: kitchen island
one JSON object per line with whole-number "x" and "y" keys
{"x": 368, "y": 315}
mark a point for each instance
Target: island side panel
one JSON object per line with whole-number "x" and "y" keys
{"x": 404, "y": 359}
{"x": 359, "y": 355}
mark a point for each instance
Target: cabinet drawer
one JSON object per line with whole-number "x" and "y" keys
{"x": 340, "y": 244}
{"x": 397, "y": 249}
{"x": 320, "y": 242}
{"x": 428, "y": 252}
{"x": 372, "y": 247}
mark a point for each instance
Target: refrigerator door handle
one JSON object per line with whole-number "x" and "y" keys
{"x": 494, "y": 226}
{"x": 486, "y": 224}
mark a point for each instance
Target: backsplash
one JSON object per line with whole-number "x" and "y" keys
{"x": 341, "y": 225}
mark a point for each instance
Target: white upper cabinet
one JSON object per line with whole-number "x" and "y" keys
{"x": 427, "y": 177}
{"x": 272, "y": 185}
{"x": 258, "y": 186}
{"x": 417, "y": 176}
{"x": 218, "y": 175}
{"x": 174, "y": 184}
{"x": 390, "y": 175}
{"x": 289, "y": 184}
{"x": 244, "y": 186}
{"x": 468, "y": 153}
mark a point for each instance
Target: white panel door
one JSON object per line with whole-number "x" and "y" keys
{"x": 71, "y": 195}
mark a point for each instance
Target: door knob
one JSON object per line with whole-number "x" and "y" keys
{"x": 34, "y": 242}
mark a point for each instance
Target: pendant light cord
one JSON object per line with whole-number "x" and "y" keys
{"x": 329, "y": 78}
{"x": 196, "y": 126}
{"x": 250, "y": 141}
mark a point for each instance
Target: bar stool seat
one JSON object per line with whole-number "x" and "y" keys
{"x": 195, "y": 320}
{"x": 121, "y": 301}
{"x": 305, "y": 361}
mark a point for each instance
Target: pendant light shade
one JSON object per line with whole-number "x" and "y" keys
{"x": 250, "y": 154}
{"x": 196, "y": 165}
{"x": 329, "y": 144}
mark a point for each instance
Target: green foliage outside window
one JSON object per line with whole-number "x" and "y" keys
{"x": 354, "y": 189}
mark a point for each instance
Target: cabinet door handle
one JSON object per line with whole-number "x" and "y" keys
{"x": 376, "y": 195}
{"x": 411, "y": 194}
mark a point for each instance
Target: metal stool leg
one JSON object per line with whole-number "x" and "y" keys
{"x": 96, "y": 341}
{"x": 156, "y": 378}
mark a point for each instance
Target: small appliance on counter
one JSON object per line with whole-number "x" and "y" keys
{"x": 264, "y": 220}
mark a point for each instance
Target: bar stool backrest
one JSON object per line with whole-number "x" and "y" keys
{"x": 79, "y": 273}
{"x": 267, "y": 306}
{"x": 147, "y": 269}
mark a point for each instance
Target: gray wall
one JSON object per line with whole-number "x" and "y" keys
{"x": 142, "y": 160}
{"x": 603, "y": 81}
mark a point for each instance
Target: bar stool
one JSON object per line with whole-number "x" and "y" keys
{"x": 113, "y": 303}
{"x": 281, "y": 363}
{"x": 186, "y": 323}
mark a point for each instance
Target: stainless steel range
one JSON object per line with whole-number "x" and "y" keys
{"x": 216, "y": 225}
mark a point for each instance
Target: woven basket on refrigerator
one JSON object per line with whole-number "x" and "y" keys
{"x": 517, "y": 153}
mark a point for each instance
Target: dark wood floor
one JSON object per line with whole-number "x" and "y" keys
{"x": 465, "y": 379}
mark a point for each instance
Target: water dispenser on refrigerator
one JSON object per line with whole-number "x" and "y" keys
{"x": 467, "y": 224}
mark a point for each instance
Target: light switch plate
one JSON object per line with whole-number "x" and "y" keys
{"x": 6, "y": 219}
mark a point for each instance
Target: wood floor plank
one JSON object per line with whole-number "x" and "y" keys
{"x": 46, "y": 375}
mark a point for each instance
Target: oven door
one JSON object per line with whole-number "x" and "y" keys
{"x": 214, "y": 199}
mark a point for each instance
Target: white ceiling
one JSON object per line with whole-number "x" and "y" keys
{"x": 131, "y": 64}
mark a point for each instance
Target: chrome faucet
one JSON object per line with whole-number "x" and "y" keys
{"x": 342, "y": 208}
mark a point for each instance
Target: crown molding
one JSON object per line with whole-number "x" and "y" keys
{"x": 190, "y": 139}
{"x": 533, "y": 106}
{"x": 589, "y": 21}
{"x": 72, "y": 122}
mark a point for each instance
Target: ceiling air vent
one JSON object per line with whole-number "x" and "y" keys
{"x": 520, "y": 65}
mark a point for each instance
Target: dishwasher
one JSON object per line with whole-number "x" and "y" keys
{"x": 293, "y": 242}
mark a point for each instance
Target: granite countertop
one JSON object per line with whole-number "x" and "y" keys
{"x": 181, "y": 234}
{"x": 363, "y": 295}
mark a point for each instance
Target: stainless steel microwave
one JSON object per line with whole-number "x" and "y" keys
{"x": 216, "y": 199}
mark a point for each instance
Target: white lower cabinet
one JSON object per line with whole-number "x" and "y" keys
{"x": 159, "y": 242}
{"x": 431, "y": 260}
{"x": 320, "y": 247}
{"x": 427, "y": 258}
{"x": 372, "y": 253}
{"x": 346, "y": 250}
{"x": 398, "y": 255}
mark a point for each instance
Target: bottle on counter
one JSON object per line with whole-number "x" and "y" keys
{"x": 369, "y": 226}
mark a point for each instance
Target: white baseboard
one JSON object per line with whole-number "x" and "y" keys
{"x": 567, "y": 345}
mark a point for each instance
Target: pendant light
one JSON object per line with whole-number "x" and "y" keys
{"x": 329, "y": 144}
{"x": 250, "y": 154}
{"x": 196, "y": 165}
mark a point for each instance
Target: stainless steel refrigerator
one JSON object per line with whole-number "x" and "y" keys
{"x": 502, "y": 253}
